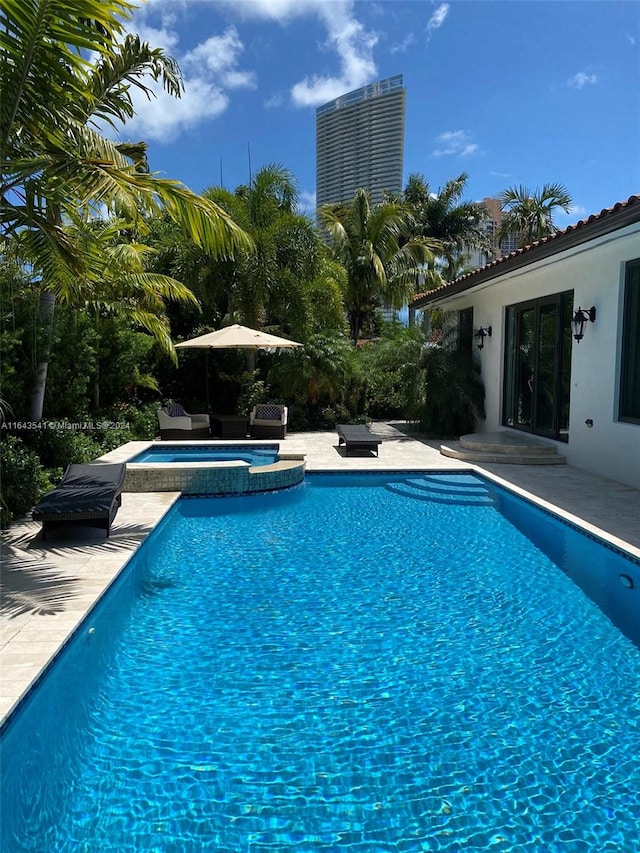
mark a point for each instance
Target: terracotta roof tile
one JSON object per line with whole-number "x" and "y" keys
{"x": 552, "y": 238}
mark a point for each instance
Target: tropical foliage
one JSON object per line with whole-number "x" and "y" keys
{"x": 529, "y": 214}
{"x": 448, "y": 383}
{"x": 22, "y": 477}
{"x": 444, "y": 217}
{"x": 56, "y": 163}
{"x": 389, "y": 370}
{"x": 315, "y": 379}
{"x": 382, "y": 260}
{"x": 58, "y": 169}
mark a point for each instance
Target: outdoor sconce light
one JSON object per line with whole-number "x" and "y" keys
{"x": 580, "y": 320}
{"x": 481, "y": 334}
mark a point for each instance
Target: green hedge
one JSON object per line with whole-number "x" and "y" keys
{"x": 22, "y": 477}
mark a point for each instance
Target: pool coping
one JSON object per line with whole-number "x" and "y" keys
{"x": 30, "y": 640}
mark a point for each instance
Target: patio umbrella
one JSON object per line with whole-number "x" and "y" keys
{"x": 236, "y": 337}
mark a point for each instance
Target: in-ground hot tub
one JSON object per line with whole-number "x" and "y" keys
{"x": 209, "y": 468}
{"x": 252, "y": 454}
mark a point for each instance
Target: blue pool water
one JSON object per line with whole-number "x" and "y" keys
{"x": 362, "y": 663}
{"x": 256, "y": 455}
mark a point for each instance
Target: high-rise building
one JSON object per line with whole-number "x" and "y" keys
{"x": 490, "y": 227}
{"x": 360, "y": 143}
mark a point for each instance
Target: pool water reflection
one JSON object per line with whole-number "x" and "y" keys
{"x": 361, "y": 663}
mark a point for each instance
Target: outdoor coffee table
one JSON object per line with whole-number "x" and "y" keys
{"x": 229, "y": 426}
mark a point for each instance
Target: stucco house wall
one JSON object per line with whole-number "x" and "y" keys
{"x": 595, "y": 272}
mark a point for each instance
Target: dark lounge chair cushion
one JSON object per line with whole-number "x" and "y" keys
{"x": 357, "y": 437}
{"x": 88, "y": 494}
{"x": 69, "y": 503}
{"x": 103, "y": 475}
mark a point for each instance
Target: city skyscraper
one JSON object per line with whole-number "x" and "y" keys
{"x": 360, "y": 143}
{"x": 490, "y": 226}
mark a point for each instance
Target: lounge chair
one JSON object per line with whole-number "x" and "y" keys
{"x": 357, "y": 437}
{"x": 175, "y": 423}
{"x": 268, "y": 420}
{"x": 88, "y": 495}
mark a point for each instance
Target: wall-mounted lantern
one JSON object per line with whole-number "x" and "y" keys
{"x": 580, "y": 320}
{"x": 481, "y": 334}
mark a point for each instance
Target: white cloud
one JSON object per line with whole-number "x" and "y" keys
{"x": 164, "y": 37}
{"x": 438, "y": 17}
{"x": 346, "y": 36}
{"x": 455, "y": 143}
{"x": 273, "y": 101}
{"x": 163, "y": 118}
{"x": 354, "y": 46}
{"x": 403, "y": 45}
{"x": 307, "y": 203}
{"x": 631, "y": 40}
{"x": 219, "y": 56}
{"x": 577, "y": 210}
{"x": 210, "y": 70}
{"x": 581, "y": 79}
{"x": 280, "y": 11}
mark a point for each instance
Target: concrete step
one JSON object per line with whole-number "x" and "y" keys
{"x": 506, "y": 446}
{"x": 506, "y": 442}
{"x": 455, "y": 451}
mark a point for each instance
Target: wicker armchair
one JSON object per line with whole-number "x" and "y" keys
{"x": 175, "y": 423}
{"x": 268, "y": 420}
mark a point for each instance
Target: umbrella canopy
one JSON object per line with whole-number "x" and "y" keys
{"x": 238, "y": 337}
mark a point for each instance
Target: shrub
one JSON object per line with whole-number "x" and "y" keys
{"x": 387, "y": 367}
{"x": 454, "y": 393}
{"x": 23, "y": 480}
{"x": 59, "y": 447}
{"x": 139, "y": 420}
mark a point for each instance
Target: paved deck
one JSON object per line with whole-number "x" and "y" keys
{"x": 48, "y": 587}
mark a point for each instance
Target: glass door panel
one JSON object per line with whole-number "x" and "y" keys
{"x": 538, "y": 366}
{"x": 525, "y": 354}
{"x": 545, "y": 376}
{"x": 510, "y": 368}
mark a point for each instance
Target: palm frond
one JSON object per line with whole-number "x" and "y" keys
{"x": 109, "y": 81}
{"x": 44, "y": 45}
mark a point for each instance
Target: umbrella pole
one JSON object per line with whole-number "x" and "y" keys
{"x": 206, "y": 373}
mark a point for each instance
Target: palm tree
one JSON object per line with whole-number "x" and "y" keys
{"x": 287, "y": 283}
{"x": 126, "y": 289}
{"x": 54, "y": 159}
{"x": 269, "y": 284}
{"x": 381, "y": 264}
{"x": 55, "y": 162}
{"x": 444, "y": 217}
{"x": 530, "y": 214}
{"x": 271, "y": 191}
{"x": 262, "y": 207}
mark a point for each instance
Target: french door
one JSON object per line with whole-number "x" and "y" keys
{"x": 538, "y": 366}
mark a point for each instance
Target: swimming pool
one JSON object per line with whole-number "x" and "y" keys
{"x": 364, "y": 662}
{"x": 251, "y": 454}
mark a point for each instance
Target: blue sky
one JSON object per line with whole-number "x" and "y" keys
{"x": 510, "y": 91}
